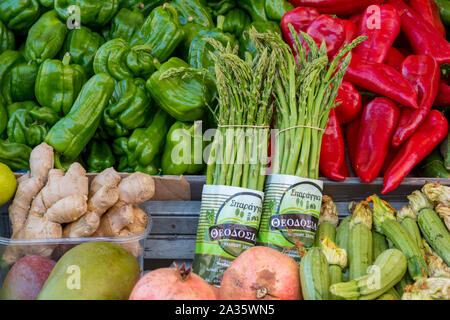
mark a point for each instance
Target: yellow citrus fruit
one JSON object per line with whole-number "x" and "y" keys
{"x": 8, "y": 184}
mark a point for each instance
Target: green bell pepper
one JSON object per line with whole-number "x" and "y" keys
{"x": 236, "y": 20}
{"x": 8, "y": 60}
{"x": 45, "y": 38}
{"x": 120, "y": 150}
{"x": 220, "y": 7}
{"x": 58, "y": 84}
{"x": 82, "y": 44}
{"x": 444, "y": 10}
{"x": 124, "y": 24}
{"x": 26, "y": 125}
{"x": 199, "y": 51}
{"x": 71, "y": 134}
{"x": 13, "y": 107}
{"x": 7, "y": 40}
{"x": 183, "y": 151}
{"x": 161, "y": 31}
{"x": 3, "y": 118}
{"x": 129, "y": 108}
{"x": 144, "y": 6}
{"x": 19, "y": 84}
{"x": 185, "y": 95}
{"x": 19, "y": 15}
{"x": 15, "y": 155}
{"x": 121, "y": 61}
{"x": 99, "y": 156}
{"x": 246, "y": 45}
{"x": 275, "y": 9}
{"x": 256, "y": 9}
{"x": 192, "y": 11}
{"x": 140, "y": 151}
{"x": 190, "y": 29}
{"x": 93, "y": 13}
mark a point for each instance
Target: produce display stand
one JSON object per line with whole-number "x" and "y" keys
{"x": 175, "y": 208}
{"x": 172, "y": 237}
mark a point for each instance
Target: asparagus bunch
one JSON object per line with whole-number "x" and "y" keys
{"x": 239, "y": 151}
{"x": 305, "y": 90}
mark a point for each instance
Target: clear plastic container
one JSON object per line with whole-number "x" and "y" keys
{"x": 134, "y": 244}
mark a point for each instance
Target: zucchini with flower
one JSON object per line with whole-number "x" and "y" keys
{"x": 386, "y": 223}
{"x": 304, "y": 97}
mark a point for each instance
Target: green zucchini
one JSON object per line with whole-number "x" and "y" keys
{"x": 328, "y": 220}
{"x": 342, "y": 233}
{"x": 386, "y": 223}
{"x": 379, "y": 244}
{"x": 432, "y": 227}
{"x": 360, "y": 241}
{"x": 435, "y": 232}
{"x": 314, "y": 275}
{"x": 337, "y": 261}
{"x": 387, "y": 270}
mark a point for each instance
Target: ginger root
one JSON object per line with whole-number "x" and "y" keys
{"x": 125, "y": 218}
{"x": 29, "y": 185}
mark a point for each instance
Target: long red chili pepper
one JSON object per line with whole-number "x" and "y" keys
{"x": 351, "y": 135}
{"x": 330, "y": 29}
{"x": 395, "y": 59}
{"x": 382, "y": 25}
{"x": 350, "y": 106}
{"x": 350, "y": 30}
{"x": 332, "y": 153}
{"x": 443, "y": 97}
{"x": 428, "y": 136}
{"x": 422, "y": 36}
{"x": 429, "y": 10}
{"x": 381, "y": 79}
{"x": 300, "y": 18}
{"x": 339, "y": 7}
{"x": 423, "y": 73}
{"x": 378, "y": 122}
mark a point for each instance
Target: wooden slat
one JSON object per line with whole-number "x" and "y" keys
{"x": 170, "y": 247}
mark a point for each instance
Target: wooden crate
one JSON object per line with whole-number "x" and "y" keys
{"x": 175, "y": 222}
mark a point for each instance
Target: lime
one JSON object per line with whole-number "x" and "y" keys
{"x": 8, "y": 184}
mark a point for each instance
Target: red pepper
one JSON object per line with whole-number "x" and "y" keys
{"x": 423, "y": 73}
{"x": 330, "y": 29}
{"x": 389, "y": 157}
{"x": 332, "y": 153}
{"x": 378, "y": 122}
{"x": 422, "y": 36}
{"x": 382, "y": 79}
{"x": 395, "y": 58}
{"x": 351, "y": 135}
{"x": 443, "y": 97}
{"x": 300, "y": 18}
{"x": 351, "y": 103}
{"x": 429, "y": 10}
{"x": 382, "y": 25}
{"x": 339, "y": 7}
{"x": 431, "y": 132}
{"x": 355, "y": 18}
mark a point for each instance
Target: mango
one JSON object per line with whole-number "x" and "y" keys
{"x": 25, "y": 279}
{"x": 92, "y": 271}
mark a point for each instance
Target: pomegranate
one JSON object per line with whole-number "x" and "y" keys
{"x": 176, "y": 283}
{"x": 261, "y": 273}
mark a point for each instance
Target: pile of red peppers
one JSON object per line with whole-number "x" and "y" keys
{"x": 386, "y": 114}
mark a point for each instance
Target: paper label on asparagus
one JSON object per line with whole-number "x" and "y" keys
{"x": 291, "y": 204}
{"x": 228, "y": 224}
